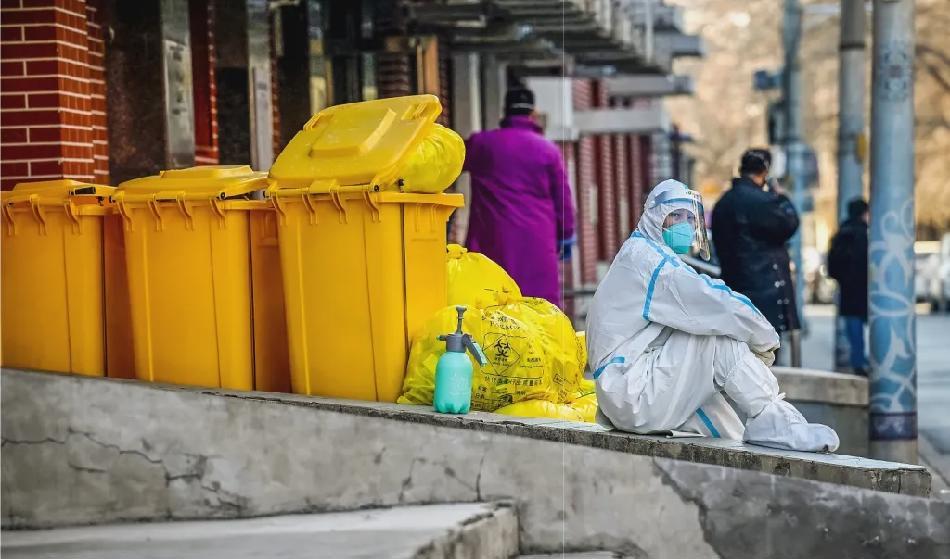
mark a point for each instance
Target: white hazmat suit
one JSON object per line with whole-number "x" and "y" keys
{"x": 665, "y": 343}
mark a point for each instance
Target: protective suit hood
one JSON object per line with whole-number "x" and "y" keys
{"x": 666, "y": 197}
{"x": 651, "y": 221}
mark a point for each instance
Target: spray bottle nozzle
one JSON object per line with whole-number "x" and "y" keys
{"x": 459, "y": 341}
{"x": 461, "y": 314}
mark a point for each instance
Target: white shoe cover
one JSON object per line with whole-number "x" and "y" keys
{"x": 782, "y": 426}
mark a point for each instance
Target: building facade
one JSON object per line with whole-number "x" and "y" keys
{"x": 108, "y": 90}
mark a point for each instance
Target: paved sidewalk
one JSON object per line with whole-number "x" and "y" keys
{"x": 933, "y": 383}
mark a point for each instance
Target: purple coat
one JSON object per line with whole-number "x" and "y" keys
{"x": 521, "y": 204}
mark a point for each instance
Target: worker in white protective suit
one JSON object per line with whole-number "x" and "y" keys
{"x": 665, "y": 342}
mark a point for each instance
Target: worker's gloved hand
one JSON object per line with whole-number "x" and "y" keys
{"x": 767, "y": 356}
{"x": 565, "y": 248}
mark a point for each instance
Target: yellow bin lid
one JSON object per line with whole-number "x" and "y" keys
{"x": 55, "y": 192}
{"x": 356, "y": 143}
{"x": 195, "y": 183}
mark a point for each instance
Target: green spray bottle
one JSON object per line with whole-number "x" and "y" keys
{"x": 453, "y": 373}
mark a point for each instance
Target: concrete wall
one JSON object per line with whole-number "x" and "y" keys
{"x": 79, "y": 450}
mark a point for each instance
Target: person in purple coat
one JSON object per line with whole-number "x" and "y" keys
{"x": 522, "y": 214}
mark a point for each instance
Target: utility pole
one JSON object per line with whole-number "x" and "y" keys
{"x": 851, "y": 139}
{"x": 794, "y": 148}
{"x": 893, "y": 398}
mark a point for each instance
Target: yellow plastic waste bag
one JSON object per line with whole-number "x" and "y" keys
{"x": 473, "y": 279}
{"x": 435, "y": 162}
{"x": 529, "y": 357}
{"x": 540, "y": 408}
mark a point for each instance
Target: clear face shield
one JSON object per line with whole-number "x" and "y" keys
{"x": 684, "y": 224}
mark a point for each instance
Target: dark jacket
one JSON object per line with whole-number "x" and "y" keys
{"x": 750, "y": 228}
{"x": 848, "y": 263}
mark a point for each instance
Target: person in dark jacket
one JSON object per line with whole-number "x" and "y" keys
{"x": 848, "y": 263}
{"x": 751, "y": 225}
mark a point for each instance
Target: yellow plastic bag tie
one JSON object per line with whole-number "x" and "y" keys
{"x": 474, "y": 280}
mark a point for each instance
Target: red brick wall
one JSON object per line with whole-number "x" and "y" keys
{"x": 201, "y": 21}
{"x": 52, "y": 114}
{"x": 585, "y": 154}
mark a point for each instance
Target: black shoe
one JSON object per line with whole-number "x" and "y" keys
{"x": 860, "y": 371}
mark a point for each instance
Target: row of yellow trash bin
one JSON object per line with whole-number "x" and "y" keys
{"x": 311, "y": 278}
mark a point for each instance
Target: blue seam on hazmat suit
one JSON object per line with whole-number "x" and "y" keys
{"x": 666, "y": 259}
{"x": 709, "y": 424}
{"x": 615, "y": 361}
{"x": 650, "y": 288}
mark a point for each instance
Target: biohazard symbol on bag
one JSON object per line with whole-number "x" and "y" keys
{"x": 531, "y": 348}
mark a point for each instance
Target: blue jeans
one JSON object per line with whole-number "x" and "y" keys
{"x": 854, "y": 328}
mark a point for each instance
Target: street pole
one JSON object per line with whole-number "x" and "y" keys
{"x": 893, "y": 378}
{"x": 851, "y": 142}
{"x": 794, "y": 149}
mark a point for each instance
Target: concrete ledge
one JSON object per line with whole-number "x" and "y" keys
{"x": 855, "y": 471}
{"x": 90, "y": 451}
{"x": 810, "y": 385}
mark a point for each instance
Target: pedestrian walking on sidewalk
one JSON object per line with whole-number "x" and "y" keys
{"x": 848, "y": 264}
{"x": 522, "y": 214}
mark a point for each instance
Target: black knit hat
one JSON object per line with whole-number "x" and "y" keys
{"x": 519, "y": 101}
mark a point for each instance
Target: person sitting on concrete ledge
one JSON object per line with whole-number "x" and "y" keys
{"x": 665, "y": 342}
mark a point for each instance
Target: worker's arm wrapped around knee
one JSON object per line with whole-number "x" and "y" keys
{"x": 697, "y": 304}
{"x": 435, "y": 163}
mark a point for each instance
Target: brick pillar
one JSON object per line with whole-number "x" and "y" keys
{"x": 567, "y": 268}
{"x": 606, "y": 195}
{"x": 635, "y": 178}
{"x": 587, "y": 242}
{"x": 622, "y": 185}
{"x": 645, "y": 164}
{"x": 276, "y": 139}
{"x": 52, "y": 113}
{"x": 201, "y": 21}
{"x": 97, "y": 88}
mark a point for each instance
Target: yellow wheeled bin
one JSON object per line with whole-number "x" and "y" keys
{"x": 363, "y": 263}
{"x": 189, "y": 247}
{"x": 52, "y": 277}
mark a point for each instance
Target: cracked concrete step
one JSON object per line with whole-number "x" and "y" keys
{"x": 579, "y": 555}
{"x": 461, "y": 531}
